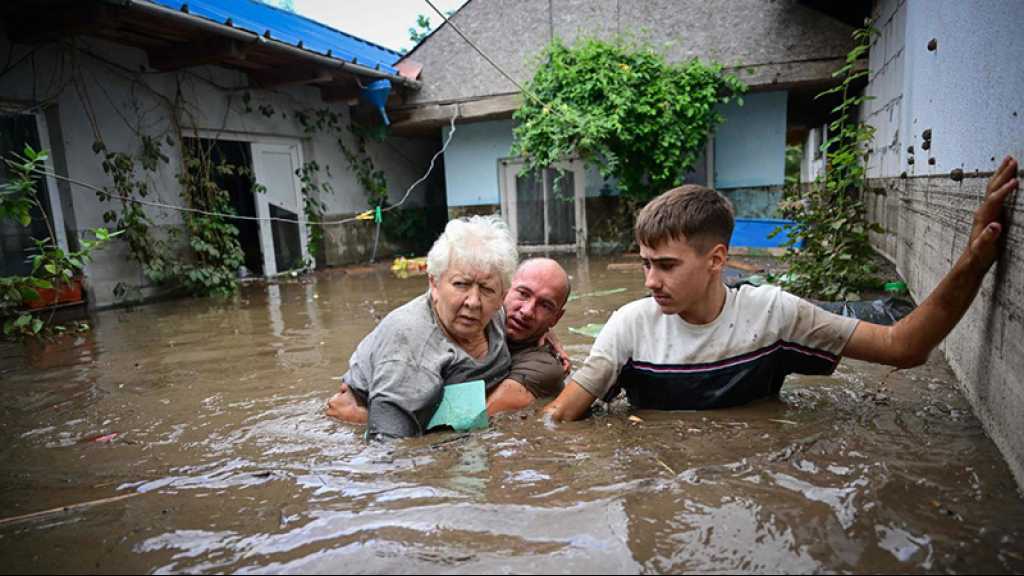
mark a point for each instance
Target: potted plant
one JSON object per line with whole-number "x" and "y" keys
{"x": 56, "y": 275}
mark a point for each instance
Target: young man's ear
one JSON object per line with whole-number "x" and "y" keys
{"x": 718, "y": 256}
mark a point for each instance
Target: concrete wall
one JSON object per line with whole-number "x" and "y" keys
{"x": 775, "y": 41}
{"x": 970, "y": 93}
{"x": 471, "y": 161}
{"x": 111, "y": 99}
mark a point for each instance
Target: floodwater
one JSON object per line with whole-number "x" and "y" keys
{"x": 205, "y": 418}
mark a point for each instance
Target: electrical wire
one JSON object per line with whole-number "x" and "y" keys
{"x": 367, "y": 215}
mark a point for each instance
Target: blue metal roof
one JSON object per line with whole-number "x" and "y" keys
{"x": 290, "y": 28}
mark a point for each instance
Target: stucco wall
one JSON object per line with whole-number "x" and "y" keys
{"x": 750, "y": 146}
{"x": 471, "y": 162}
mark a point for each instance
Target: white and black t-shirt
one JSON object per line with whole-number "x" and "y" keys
{"x": 664, "y": 362}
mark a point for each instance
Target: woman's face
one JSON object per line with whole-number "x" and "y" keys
{"x": 465, "y": 299}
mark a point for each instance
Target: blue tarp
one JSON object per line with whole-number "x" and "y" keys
{"x": 290, "y": 28}
{"x": 753, "y": 233}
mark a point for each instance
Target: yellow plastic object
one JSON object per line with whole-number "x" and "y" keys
{"x": 405, "y": 267}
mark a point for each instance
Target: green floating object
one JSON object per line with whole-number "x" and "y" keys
{"x": 598, "y": 293}
{"x": 591, "y": 330}
{"x": 896, "y": 287}
{"x": 377, "y": 216}
{"x": 463, "y": 407}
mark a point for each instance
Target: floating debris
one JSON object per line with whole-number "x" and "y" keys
{"x": 597, "y": 293}
{"x": 591, "y": 330}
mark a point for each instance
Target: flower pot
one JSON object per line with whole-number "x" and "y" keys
{"x": 66, "y": 293}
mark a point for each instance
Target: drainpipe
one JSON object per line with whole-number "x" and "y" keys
{"x": 253, "y": 38}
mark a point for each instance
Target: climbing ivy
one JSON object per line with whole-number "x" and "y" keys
{"x": 216, "y": 252}
{"x": 210, "y": 267}
{"x": 829, "y": 251}
{"x": 313, "y": 207}
{"x": 620, "y": 106}
{"x": 407, "y": 228}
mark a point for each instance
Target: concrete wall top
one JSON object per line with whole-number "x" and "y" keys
{"x": 757, "y": 33}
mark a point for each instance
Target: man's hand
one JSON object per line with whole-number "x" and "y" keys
{"x": 908, "y": 342}
{"x": 571, "y": 404}
{"x": 345, "y": 407}
{"x": 550, "y": 339}
{"x": 988, "y": 218}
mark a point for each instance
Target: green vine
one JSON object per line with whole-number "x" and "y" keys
{"x": 213, "y": 238}
{"x": 313, "y": 207}
{"x": 829, "y": 251}
{"x": 131, "y": 219}
{"x": 406, "y": 228}
{"x": 215, "y": 255}
{"x": 620, "y": 106}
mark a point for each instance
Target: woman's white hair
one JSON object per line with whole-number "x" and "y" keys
{"x": 478, "y": 243}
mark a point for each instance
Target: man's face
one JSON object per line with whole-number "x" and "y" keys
{"x": 678, "y": 276}
{"x": 465, "y": 300}
{"x": 535, "y": 301}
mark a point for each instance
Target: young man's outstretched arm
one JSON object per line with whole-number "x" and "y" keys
{"x": 571, "y": 404}
{"x": 908, "y": 342}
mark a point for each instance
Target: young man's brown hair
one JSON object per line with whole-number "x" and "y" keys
{"x": 699, "y": 215}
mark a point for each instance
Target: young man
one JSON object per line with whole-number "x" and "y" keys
{"x": 697, "y": 344}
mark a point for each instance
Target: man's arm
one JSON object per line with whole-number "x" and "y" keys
{"x": 509, "y": 395}
{"x": 908, "y": 342}
{"x": 535, "y": 373}
{"x": 571, "y": 404}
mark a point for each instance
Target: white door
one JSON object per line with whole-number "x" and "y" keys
{"x": 275, "y": 167}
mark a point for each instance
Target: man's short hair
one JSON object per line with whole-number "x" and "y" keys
{"x": 699, "y": 215}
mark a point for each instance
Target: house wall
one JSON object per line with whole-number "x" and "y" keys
{"x": 750, "y": 153}
{"x": 805, "y": 46}
{"x": 750, "y": 146}
{"x": 471, "y": 162}
{"x": 100, "y": 91}
{"x": 970, "y": 94}
{"x": 749, "y": 158}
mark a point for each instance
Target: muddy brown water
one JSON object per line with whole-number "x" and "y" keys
{"x": 230, "y": 466}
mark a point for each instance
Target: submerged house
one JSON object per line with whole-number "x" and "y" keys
{"x": 240, "y": 81}
{"x": 784, "y": 51}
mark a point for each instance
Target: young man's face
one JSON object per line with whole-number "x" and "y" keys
{"x": 680, "y": 277}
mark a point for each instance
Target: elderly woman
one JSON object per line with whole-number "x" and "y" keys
{"x": 453, "y": 333}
